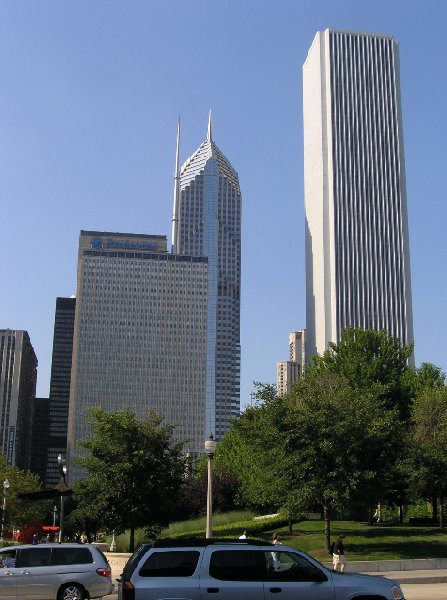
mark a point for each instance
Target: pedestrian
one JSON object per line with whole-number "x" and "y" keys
{"x": 243, "y": 536}
{"x": 338, "y": 554}
{"x": 275, "y": 538}
{"x": 276, "y": 555}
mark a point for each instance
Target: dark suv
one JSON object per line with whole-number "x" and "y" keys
{"x": 248, "y": 569}
{"x": 54, "y": 572}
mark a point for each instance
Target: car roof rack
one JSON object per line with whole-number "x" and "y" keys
{"x": 202, "y": 542}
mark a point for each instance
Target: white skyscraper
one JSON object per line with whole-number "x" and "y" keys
{"x": 357, "y": 250}
{"x": 207, "y": 222}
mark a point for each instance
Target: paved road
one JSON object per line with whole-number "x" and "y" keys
{"x": 413, "y": 591}
{"x": 425, "y": 591}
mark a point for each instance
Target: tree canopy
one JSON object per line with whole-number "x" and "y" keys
{"x": 134, "y": 470}
{"x": 20, "y": 513}
{"x": 367, "y": 359}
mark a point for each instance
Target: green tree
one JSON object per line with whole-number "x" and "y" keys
{"x": 370, "y": 359}
{"x": 428, "y": 444}
{"x": 340, "y": 444}
{"x": 134, "y": 473}
{"x": 253, "y": 451}
{"x": 19, "y": 512}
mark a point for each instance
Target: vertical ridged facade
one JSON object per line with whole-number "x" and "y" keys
{"x": 357, "y": 249}
{"x": 209, "y": 224}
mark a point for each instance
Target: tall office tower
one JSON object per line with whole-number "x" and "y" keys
{"x": 18, "y": 375}
{"x": 60, "y": 386}
{"x": 357, "y": 249}
{"x": 139, "y": 335}
{"x": 290, "y": 371}
{"x": 39, "y": 438}
{"x": 207, "y": 222}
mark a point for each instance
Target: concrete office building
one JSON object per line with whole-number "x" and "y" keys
{"x": 357, "y": 249}
{"x": 207, "y": 222}
{"x": 290, "y": 371}
{"x": 18, "y": 375}
{"x": 139, "y": 335}
{"x": 59, "y": 386}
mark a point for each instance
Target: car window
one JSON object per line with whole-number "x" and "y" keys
{"x": 34, "y": 557}
{"x": 177, "y": 563}
{"x": 288, "y": 566}
{"x": 7, "y": 559}
{"x": 236, "y": 565}
{"x": 71, "y": 556}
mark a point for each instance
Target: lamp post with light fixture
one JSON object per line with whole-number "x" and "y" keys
{"x": 62, "y": 487}
{"x": 5, "y": 489}
{"x": 210, "y": 448}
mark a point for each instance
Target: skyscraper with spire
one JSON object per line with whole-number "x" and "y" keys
{"x": 207, "y": 222}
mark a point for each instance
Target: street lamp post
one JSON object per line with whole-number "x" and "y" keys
{"x": 54, "y": 515}
{"x": 62, "y": 486}
{"x": 5, "y": 489}
{"x": 210, "y": 448}
{"x": 113, "y": 543}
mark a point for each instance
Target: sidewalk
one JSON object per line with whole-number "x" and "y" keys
{"x": 429, "y": 570}
{"x": 422, "y": 576}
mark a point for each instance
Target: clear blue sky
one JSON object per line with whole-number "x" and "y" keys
{"x": 90, "y": 93}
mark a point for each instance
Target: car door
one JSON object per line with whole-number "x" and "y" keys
{"x": 8, "y": 574}
{"x": 291, "y": 576}
{"x": 36, "y": 578}
{"x": 229, "y": 574}
{"x": 168, "y": 573}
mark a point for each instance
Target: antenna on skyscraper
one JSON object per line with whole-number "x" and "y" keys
{"x": 174, "y": 247}
{"x": 209, "y": 137}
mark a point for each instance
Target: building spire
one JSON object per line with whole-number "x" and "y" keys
{"x": 209, "y": 136}
{"x": 175, "y": 212}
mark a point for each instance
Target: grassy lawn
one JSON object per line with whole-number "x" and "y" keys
{"x": 365, "y": 542}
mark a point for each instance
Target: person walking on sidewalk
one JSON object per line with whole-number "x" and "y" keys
{"x": 338, "y": 554}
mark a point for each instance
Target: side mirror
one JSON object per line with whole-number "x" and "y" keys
{"x": 317, "y": 575}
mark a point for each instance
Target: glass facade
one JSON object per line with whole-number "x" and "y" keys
{"x": 60, "y": 385}
{"x": 209, "y": 224}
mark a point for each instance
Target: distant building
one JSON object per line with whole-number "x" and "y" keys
{"x": 207, "y": 222}
{"x": 18, "y": 374}
{"x": 287, "y": 373}
{"x": 39, "y": 440}
{"x": 357, "y": 248}
{"x": 290, "y": 371}
{"x": 297, "y": 348}
{"x": 140, "y": 335}
{"x": 60, "y": 386}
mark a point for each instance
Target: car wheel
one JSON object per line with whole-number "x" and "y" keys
{"x": 71, "y": 591}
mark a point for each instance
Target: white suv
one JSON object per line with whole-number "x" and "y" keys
{"x": 248, "y": 569}
{"x": 54, "y": 572}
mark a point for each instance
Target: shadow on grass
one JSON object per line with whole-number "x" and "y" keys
{"x": 417, "y": 549}
{"x": 378, "y": 531}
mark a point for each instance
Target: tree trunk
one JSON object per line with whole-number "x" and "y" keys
{"x": 290, "y": 526}
{"x": 401, "y": 514}
{"x": 441, "y": 512}
{"x": 327, "y": 529}
{"x": 132, "y": 538}
{"x": 434, "y": 508}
